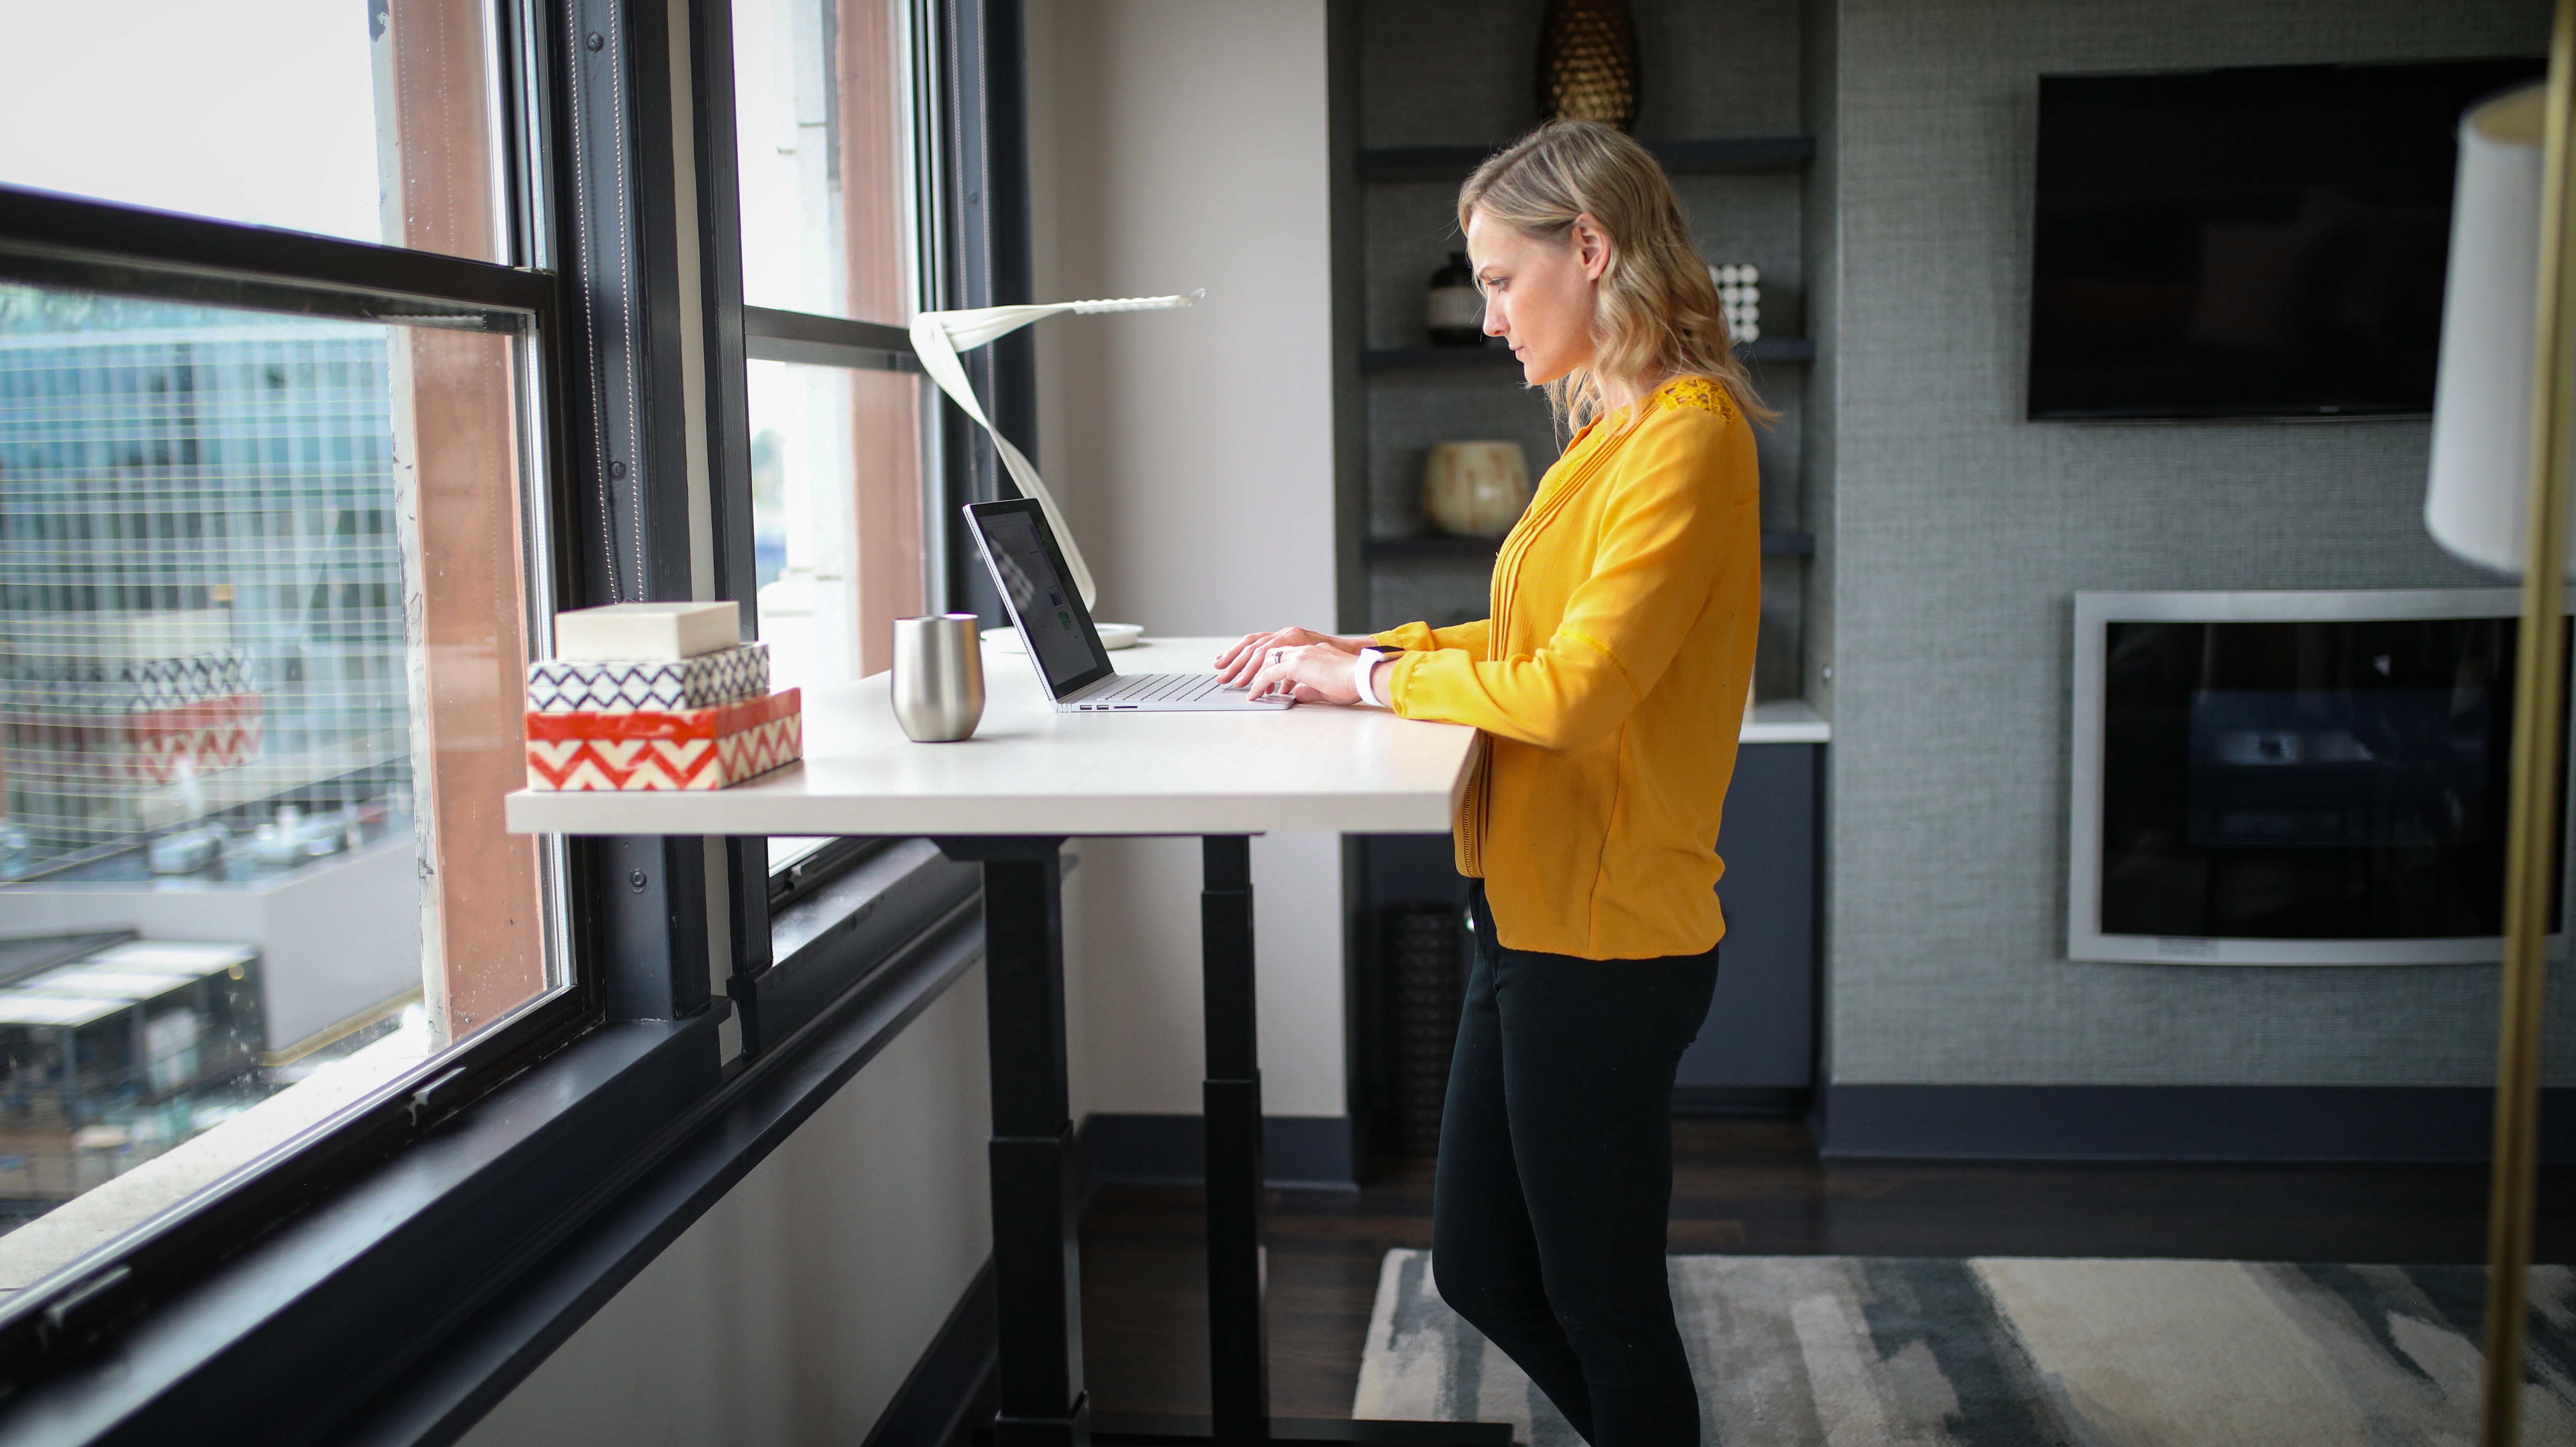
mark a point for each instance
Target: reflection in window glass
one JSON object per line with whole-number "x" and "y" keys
{"x": 824, "y": 156}
{"x": 836, "y": 524}
{"x": 836, "y": 516}
{"x": 251, "y": 863}
{"x": 371, "y": 122}
{"x": 802, "y": 529}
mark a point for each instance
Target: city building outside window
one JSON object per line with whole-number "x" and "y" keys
{"x": 267, "y": 579}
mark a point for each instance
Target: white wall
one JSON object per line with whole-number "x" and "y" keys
{"x": 1179, "y": 144}
{"x": 792, "y": 1311}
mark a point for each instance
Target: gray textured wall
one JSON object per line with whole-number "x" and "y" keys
{"x": 1960, "y": 532}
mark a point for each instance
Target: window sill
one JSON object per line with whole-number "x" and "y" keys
{"x": 90, "y": 1220}
{"x": 828, "y": 940}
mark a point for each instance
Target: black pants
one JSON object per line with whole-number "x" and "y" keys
{"x": 1556, "y": 1171}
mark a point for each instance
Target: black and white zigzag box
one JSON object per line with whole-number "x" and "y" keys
{"x": 559, "y": 685}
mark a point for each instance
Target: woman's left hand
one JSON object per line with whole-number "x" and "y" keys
{"x": 1244, "y": 658}
{"x": 1312, "y": 673}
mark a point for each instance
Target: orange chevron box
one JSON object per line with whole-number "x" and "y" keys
{"x": 697, "y": 748}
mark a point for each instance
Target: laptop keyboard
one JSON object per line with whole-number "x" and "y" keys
{"x": 1130, "y": 689}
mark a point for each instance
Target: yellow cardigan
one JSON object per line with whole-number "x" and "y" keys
{"x": 1610, "y": 683}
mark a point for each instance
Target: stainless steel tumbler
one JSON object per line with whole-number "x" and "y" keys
{"x": 939, "y": 677}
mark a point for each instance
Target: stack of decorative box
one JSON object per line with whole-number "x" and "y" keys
{"x": 656, "y": 696}
{"x": 99, "y": 710}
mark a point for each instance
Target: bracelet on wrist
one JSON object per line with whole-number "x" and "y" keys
{"x": 1364, "y": 677}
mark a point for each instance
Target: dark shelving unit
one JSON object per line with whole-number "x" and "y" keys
{"x": 1681, "y": 158}
{"x": 1739, "y": 109}
{"x": 1422, "y": 101}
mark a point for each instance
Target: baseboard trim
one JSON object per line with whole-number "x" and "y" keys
{"x": 1742, "y": 1100}
{"x": 1308, "y": 1152}
{"x": 947, "y": 1383}
{"x": 2429, "y": 1124}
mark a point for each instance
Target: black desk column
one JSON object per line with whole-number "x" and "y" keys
{"x": 1037, "y": 1281}
{"x": 1238, "y": 1332}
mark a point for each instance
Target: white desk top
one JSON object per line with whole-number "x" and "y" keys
{"x": 1030, "y": 770}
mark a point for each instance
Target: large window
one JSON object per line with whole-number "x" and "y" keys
{"x": 271, "y": 559}
{"x": 341, "y": 345}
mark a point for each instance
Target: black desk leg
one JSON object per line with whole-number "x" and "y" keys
{"x": 1238, "y": 1332}
{"x": 1036, "y": 1261}
{"x": 1037, "y": 1279}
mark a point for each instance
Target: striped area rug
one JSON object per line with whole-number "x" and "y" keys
{"x": 1859, "y": 1351}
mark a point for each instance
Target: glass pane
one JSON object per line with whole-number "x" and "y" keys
{"x": 836, "y": 516}
{"x": 822, "y": 123}
{"x": 372, "y": 122}
{"x": 2316, "y": 780}
{"x": 262, "y": 631}
{"x": 836, "y": 525}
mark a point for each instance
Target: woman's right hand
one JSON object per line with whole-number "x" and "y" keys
{"x": 1244, "y": 659}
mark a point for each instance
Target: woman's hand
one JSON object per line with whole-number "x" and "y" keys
{"x": 1310, "y": 673}
{"x": 1246, "y": 658}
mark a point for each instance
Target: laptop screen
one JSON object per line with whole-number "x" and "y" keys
{"x": 1052, "y": 620}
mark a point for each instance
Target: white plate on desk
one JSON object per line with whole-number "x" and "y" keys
{"x": 1112, "y": 636}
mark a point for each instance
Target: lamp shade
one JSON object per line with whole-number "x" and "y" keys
{"x": 2482, "y": 399}
{"x": 937, "y": 338}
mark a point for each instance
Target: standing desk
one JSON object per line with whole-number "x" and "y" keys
{"x": 1008, "y": 799}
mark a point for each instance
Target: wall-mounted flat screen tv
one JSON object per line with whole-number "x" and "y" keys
{"x": 2292, "y": 778}
{"x": 2246, "y": 243}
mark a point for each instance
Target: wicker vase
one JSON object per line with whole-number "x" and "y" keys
{"x": 1587, "y": 62}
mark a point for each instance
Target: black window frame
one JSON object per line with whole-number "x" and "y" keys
{"x": 76, "y": 243}
{"x": 396, "y": 1277}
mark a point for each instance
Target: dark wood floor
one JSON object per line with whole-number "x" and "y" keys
{"x": 1751, "y": 1186}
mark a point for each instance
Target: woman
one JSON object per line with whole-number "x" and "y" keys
{"x": 1608, "y": 682}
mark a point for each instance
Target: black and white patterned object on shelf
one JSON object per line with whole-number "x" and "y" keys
{"x": 558, "y": 685}
{"x": 1739, "y": 290}
{"x": 65, "y": 684}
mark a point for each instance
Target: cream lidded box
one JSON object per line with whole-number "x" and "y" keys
{"x": 646, "y": 632}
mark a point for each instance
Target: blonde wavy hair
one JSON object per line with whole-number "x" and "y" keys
{"x": 1657, "y": 313}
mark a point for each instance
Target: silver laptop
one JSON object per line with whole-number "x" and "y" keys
{"x": 1028, "y": 571}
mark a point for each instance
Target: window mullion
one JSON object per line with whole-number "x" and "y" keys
{"x": 647, "y": 896}
{"x": 728, "y": 413}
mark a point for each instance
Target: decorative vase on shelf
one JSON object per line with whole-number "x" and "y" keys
{"x": 1455, "y": 309}
{"x": 1587, "y": 62}
{"x": 1475, "y": 489}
